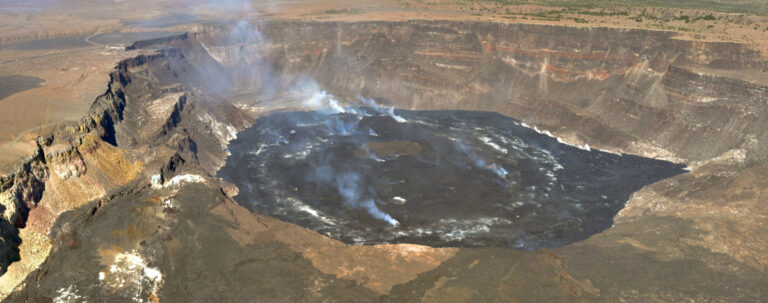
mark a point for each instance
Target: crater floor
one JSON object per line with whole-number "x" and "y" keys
{"x": 441, "y": 178}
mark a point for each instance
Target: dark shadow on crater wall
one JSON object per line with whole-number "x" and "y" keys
{"x": 10, "y": 240}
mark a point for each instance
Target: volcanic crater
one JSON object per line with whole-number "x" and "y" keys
{"x": 464, "y": 146}
{"x": 371, "y": 176}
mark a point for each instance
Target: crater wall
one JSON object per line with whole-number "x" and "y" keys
{"x": 624, "y": 90}
{"x": 170, "y": 114}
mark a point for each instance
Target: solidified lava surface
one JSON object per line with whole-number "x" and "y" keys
{"x": 439, "y": 178}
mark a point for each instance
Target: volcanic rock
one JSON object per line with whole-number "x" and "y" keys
{"x": 91, "y": 212}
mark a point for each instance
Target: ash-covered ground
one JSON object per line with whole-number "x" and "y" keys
{"x": 443, "y": 178}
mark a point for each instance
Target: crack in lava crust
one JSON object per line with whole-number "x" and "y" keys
{"x": 439, "y": 178}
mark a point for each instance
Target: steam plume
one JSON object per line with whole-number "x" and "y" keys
{"x": 349, "y": 186}
{"x": 257, "y": 74}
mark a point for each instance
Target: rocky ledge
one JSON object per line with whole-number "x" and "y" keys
{"x": 124, "y": 205}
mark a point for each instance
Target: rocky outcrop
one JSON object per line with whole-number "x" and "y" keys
{"x": 139, "y": 168}
{"x": 67, "y": 153}
{"x": 19, "y": 192}
{"x": 163, "y": 42}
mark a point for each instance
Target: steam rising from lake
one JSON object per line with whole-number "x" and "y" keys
{"x": 369, "y": 175}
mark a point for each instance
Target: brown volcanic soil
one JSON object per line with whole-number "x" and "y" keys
{"x": 74, "y": 76}
{"x": 694, "y": 237}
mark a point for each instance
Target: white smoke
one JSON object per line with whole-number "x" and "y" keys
{"x": 389, "y": 111}
{"x": 376, "y": 212}
{"x": 334, "y": 104}
{"x": 350, "y": 188}
{"x": 479, "y": 162}
{"x": 316, "y": 98}
{"x": 340, "y": 126}
{"x": 250, "y": 67}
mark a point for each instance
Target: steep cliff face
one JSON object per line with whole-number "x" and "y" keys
{"x": 625, "y": 90}
{"x": 75, "y": 164}
{"x": 20, "y": 192}
{"x": 131, "y": 184}
{"x": 60, "y": 157}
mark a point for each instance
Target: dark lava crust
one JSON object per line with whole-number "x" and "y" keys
{"x": 440, "y": 178}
